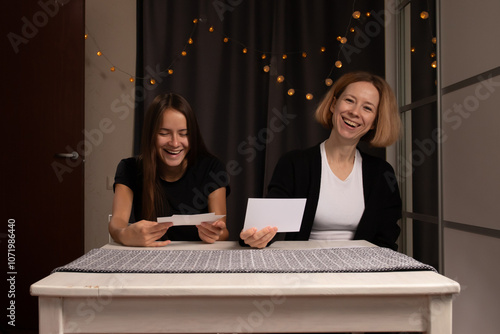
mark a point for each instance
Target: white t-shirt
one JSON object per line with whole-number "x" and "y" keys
{"x": 341, "y": 202}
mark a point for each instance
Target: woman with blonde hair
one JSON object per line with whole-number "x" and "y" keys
{"x": 350, "y": 195}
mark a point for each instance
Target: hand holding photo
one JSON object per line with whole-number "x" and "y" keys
{"x": 284, "y": 213}
{"x": 191, "y": 219}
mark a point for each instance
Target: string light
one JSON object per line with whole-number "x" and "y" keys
{"x": 132, "y": 78}
{"x": 434, "y": 64}
{"x": 424, "y": 15}
{"x": 263, "y": 55}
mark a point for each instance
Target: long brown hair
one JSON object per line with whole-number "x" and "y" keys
{"x": 154, "y": 200}
{"x": 387, "y": 123}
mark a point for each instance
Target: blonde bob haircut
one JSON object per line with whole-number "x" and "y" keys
{"x": 387, "y": 123}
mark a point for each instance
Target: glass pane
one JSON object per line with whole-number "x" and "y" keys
{"x": 423, "y": 49}
{"x": 426, "y": 243}
{"x": 404, "y": 88}
{"x": 418, "y": 165}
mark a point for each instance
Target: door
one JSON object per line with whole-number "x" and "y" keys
{"x": 42, "y": 116}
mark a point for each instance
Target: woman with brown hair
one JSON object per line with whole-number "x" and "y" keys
{"x": 175, "y": 174}
{"x": 350, "y": 195}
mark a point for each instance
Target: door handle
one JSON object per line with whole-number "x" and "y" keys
{"x": 73, "y": 155}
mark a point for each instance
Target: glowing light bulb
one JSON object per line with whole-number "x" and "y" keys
{"x": 338, "y": 64}
{"x": 291, "y": 91}
{"x": 434, "y": 64}
{"x": 434, "y": 40}
{"x": 309, "y": 96}
{"x": 284, "y": 56}
{"x": 266, "y": 68}
{"x": 343, "y": 40}
{"x": 304, "y": 54}
{"x": 412, "y": 50}
{"x": 339, "y": 38}
{"x": 244, "y": 50}
{"x": 195, "y": 21}
{"x": 323, "y": 49}
{"x": 184, "y": 53}
{"x": 280, "y": 79}
{"x": 328, "y": 82}
{"x": 211, "y": 29}
{"x": 352, "y": 30}
{"x": 112, "y": 69}
{"x": 86, "y": 36}
{"x": 152, "y": 81}
{"x": 99, "y": 53}
{"x": 190, "y": 41}
{"x": 433, "y": 55}
{"x": 263, "y": 56}
{"x": 424, "y": 15}
{"x": 131, "y": 79}
{"x": 170, "y": 71}
{"x": 356, "y": 14}
{"x": 226, "y": 39}
{"x": 368, "y": 14}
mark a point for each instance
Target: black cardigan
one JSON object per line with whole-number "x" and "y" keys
{"x": 298, "y": 175}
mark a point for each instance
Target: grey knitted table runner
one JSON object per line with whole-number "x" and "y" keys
{"x": 325, "y": 260}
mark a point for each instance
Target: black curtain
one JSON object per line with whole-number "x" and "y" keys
{"x": 247, "y": 118}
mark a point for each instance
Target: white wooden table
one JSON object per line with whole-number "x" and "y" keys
{"x": 419, "y": 301}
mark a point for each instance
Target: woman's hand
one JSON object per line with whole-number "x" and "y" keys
{"x": 211, "y": 232}
{"x": 258, "y": 239}
{"x": 144, "y": 233}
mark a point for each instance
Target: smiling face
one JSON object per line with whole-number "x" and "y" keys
{"x": 355, "y": 111}
{"x": 172, "y": 144}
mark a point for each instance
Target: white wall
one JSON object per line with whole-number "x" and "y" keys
{"x": 470, "y": 32}
{"x": 111, "y": 28}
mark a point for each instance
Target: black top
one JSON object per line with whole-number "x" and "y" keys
{"x": 188, "y": 195}
{"x": 298, "y": 175}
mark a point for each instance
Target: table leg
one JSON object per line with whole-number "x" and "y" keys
{"x": 440, "y": 315}
{"x": 50, "y": 315}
